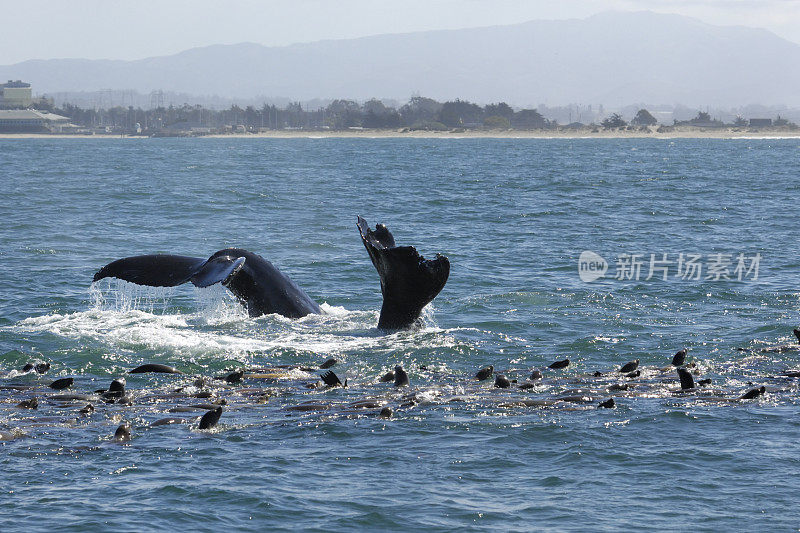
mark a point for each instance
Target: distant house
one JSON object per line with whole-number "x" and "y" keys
{"x": 15, "y": 94}
{"x": 702, "y": 120}
{"x": 31, "y": 121}
{"x": 760, "y": 122}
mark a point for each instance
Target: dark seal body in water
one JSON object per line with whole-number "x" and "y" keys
{"x": 62, "y": 383}
{"x": 484, "y": 373}
{"x": 157, "y": 368}
{"x": 210, "y": 419}
{"x": 400, "y": 377}
{"x": 408, "y": 281}
{"x": 501, "y": 382}
{"x": 687, "y": 381}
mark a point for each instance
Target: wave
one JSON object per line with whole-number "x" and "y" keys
{"x": 210, "y": 322}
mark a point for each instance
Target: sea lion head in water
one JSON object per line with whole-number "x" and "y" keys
{"x": 118, "y": 385}
{"x": 210, "y": 419}
{"x": 501, "y": 382}
{"x": 400, "y": 377}
{"x": 123, "y": 433}
{"x": 484, "y": 373}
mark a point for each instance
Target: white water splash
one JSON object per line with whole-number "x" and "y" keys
{"x": 129, "y": 317}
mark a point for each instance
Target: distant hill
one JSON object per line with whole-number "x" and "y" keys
{"x": 612, "y": 58}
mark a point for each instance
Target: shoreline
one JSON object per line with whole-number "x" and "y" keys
{"x": 678, "y": 133}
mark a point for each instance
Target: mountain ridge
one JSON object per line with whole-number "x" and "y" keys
{"x": 610, "y": 58}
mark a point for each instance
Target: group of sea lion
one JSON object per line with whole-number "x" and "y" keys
{"x": 408, "y": 283}
{"x": 202, "y": 400}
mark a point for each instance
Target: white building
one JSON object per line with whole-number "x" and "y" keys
{"x": 15, "y": 94}
{"x": 31, "y": 121}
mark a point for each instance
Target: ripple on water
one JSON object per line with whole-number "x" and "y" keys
{"x": 455, "y": 459}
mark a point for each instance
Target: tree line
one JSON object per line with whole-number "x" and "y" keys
{"x": 420, "y": 113}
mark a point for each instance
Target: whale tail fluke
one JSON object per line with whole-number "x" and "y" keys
{"x": 217, "y": 270}
{"x": 164, "y": 270}
{"x": 409, "y": 282}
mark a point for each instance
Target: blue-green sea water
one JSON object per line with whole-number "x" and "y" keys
{"x": 513, "y": 217}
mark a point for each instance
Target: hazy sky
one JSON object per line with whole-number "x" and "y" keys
{"x": 114, "y": 29}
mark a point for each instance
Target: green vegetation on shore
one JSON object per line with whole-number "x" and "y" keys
{"x": 419, "y": 114}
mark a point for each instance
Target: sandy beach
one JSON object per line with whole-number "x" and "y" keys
{"x": 676, "y": 133}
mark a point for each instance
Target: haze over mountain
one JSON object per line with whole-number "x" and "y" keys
{"x": 613, "y": 58}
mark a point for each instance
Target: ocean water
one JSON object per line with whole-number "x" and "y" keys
{"x": 513, "y": 216}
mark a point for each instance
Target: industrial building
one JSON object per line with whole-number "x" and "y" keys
{"x": 760, "y": 122}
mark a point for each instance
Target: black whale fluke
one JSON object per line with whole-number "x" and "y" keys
{"x": 409, "y": 282}
{"x": 164, "y": 270}
{"x": 256, "y": 283}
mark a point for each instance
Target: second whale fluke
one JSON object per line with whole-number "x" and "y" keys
{"x": 409, "y": 282}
